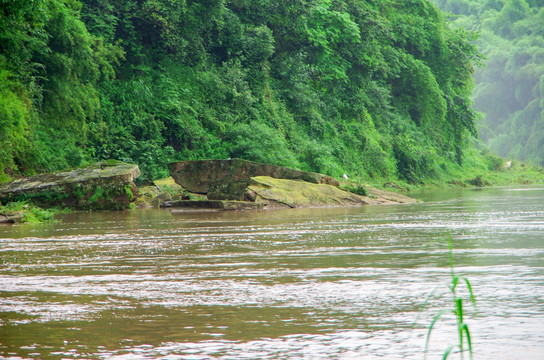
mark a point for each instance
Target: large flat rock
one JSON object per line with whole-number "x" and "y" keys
{"x": 297, "y": 193}
{"x": 105, "y": 185}
{"x": 229, "y": 179}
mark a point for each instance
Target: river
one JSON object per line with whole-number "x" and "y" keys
{"x": 333, "y": 283}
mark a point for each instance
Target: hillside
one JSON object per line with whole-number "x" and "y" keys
{"x": 374, "y": 89}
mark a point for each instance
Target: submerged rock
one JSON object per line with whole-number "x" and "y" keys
{"x": 105, "y": 185}
{"x": 216, "y": 204}
{"x": 382, "y": 197}
{"x": 229, "y": 179}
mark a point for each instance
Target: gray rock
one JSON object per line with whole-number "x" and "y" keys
{"x": 11, "y": 218}
{"x": 161, "y": 200}
{"x": 228, "y": 179}
{"x": 105, "y": 185}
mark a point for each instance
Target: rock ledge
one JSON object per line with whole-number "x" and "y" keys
{"x": 229, "y": 179}
{"x": 105, "y": 185}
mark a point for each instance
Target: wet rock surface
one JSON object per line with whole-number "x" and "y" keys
{"x": 105, "y": 185}
{"x": 297, "y": 193}
{"x": 229, "y": 179}
{"x": 11, "y": 217}
{"x": 246, "y": 182}
{"x": 216, "y": 205}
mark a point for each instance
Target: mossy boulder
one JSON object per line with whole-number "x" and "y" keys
{"x": 169, "y": 185}
{"x": 146, "y": 194}
{"x": 105, "y": 185}
{"x": 162, "y": 199}
{"x": 229, "y": 179}
{"x": 381, "y": 197}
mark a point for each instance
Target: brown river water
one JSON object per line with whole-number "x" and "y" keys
{"x": 333, "y": 283}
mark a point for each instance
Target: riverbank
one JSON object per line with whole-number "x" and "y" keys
{"x": 273, "y": 193}
{"x": 476, "y": 171}
{"x": 232, "y": 184}
{"x": 24, "y": 212}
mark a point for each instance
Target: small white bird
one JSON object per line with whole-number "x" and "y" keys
{"x": 345, "y": 177}
{"x": 508, "y": 164}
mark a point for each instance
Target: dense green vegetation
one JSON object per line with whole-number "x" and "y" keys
{"x": 24, "y": 212}
{"x": 375, "y": 89}
{"x": 510, "y": 90}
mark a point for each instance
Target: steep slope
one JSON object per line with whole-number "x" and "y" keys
{"x": 376, "y": 89}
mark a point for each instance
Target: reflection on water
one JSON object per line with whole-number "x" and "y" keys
{"x": 278, "y": 284}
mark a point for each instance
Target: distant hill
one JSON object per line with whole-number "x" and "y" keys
{"x": 510, "y": 89}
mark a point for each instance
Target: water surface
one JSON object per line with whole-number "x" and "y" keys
{"x": 334, "y": 283}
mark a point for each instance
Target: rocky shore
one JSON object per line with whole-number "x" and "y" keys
{"x": 232, "y": 184}
{"x": 269, "y": 185}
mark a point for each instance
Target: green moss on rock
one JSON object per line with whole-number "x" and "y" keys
{"x": 298, "y": 193}
{"x": 22, "y": 212}
{"x": 105, "y": 185}
{"x": 228, "y": 179}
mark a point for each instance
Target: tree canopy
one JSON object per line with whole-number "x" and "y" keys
{"x": 371, "y": 88}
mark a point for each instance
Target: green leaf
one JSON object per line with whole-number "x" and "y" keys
{"x": 435, "y": 319}
{"x": 472, "y": 297}
{"x": 424, "y": 305}
{"x": 447, "y": 352}
{"x": 459, "y": 309}
{"x": 464, "y": 328}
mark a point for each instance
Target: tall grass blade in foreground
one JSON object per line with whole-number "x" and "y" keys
{"x": 463, "y": 332}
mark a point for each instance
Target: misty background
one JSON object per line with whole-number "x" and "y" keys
{"x": 509, "y": 91}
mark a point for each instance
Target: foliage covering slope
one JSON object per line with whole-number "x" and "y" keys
{"x": 375, "y": 89}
